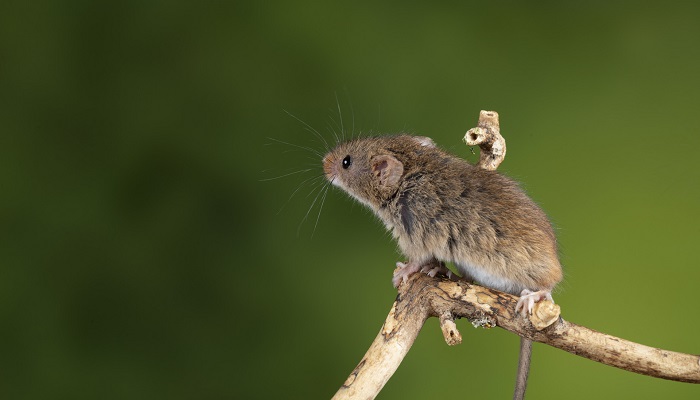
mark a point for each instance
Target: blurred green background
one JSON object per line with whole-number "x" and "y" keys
{"x": 147, "y": 252}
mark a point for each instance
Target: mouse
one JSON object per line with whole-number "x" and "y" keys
{"x": 441, "y": 208}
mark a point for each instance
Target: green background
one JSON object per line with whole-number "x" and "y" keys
{"x": 147, "y": 252}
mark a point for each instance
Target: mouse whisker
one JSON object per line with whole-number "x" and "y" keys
{"x": 320, "y": 208}
{"x": 332, "y": 130}
{"x": 299, "y": 186}
{"x": 311, "y": 129}
{"x": 352, "y": 113}
{"x": 285, "y": 175}
{"x": 306, "y": 148}
{"x": 316, "y": 186}
{"x": 310, "y": 208}
{"x": 340, "y": 116}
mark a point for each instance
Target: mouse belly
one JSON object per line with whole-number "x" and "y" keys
{"x": 489, "y": 279}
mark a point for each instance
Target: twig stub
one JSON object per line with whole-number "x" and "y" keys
{"x": 449, "y": 329}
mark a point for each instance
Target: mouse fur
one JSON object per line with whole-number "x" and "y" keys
{"x": 441, "y": 207}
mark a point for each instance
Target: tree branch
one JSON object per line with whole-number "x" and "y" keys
{"x": 423, "y": 297}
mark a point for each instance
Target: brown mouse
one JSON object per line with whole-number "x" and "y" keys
{"x": 441, "y": 208}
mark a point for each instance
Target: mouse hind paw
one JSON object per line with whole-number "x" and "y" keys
{"x": 528, "y": 298}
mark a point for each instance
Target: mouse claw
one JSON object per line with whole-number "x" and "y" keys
{"x": 528, "y": 298}
{"x": 432, "y": 270}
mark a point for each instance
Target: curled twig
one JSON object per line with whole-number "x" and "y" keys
{"x": 487, "y": 135}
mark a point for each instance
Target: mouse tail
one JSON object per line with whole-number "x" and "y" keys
{"x": 523, "y": 368}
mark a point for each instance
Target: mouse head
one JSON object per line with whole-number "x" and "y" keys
{"x": 371, "y": 169}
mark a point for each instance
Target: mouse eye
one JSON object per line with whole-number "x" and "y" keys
{"x": 347, "y": 161}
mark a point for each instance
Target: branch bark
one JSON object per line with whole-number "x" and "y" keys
{"x": 423, "y": 297}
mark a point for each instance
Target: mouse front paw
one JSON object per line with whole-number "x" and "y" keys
{"x": 403, "y": 271}
{"x": 431, "y": 268}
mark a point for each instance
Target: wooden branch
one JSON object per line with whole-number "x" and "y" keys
{"x": 487, "y": 135}
{"x": 423, "y": 297}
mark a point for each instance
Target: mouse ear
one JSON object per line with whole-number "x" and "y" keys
{"x": 388, "y": 169}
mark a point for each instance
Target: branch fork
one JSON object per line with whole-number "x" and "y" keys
{"x": 422, "y": 297}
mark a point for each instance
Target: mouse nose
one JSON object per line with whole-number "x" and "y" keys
{"x": 327, "y": 165}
